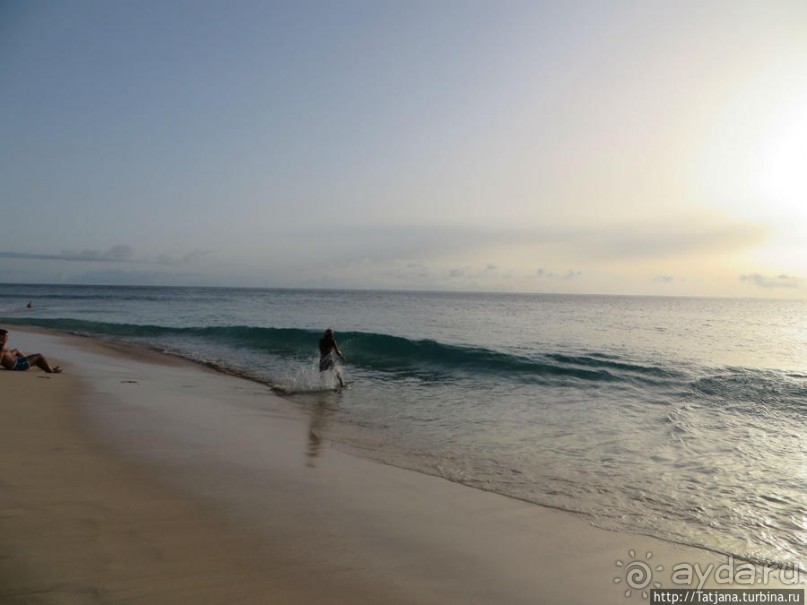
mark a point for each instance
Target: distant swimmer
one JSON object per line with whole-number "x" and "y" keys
{"x": 327, "y": 348}
{"x": 13, "y": 359}
{"x": 30, "y": 305}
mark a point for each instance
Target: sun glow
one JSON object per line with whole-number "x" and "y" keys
{"x": 782, "y": 179}
{"x": 753, "y": 163}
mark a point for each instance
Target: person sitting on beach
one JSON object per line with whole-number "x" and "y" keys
{"x": 327, "y": 347}
{"x": 14, "y": 359}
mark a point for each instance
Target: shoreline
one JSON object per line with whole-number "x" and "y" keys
{"x": 80, "y": 523}
{"x": 235, "y": 464}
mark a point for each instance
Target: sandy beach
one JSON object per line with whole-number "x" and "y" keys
{"x": 78, "y": 525}
{"x": 139, "y": 478}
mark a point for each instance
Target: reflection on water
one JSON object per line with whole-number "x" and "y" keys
{"x": 321, "y": 408}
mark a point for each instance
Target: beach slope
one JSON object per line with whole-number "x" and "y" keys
{"x": 138, "y": 478}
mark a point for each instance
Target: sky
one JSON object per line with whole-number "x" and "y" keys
{"x": 607, "y": 147}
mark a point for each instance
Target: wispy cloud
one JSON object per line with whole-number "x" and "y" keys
{"x": 415, "y": 242}
{"x": 657, "y": 241}
{"x": 570, "y": 274}
{"x": 145, "y": 278}
{"x": 115, "y": 254}
{"x": 120, "y": 253}
{"x": 684, "y": 236}
{"x": 777, "y": 281}
{"x": 191, "y": 257}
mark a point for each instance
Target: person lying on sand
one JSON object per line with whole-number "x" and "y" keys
{"x": 14, "y": 359}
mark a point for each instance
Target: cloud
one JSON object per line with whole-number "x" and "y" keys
{"x": 119, "y": 253}
{"x": 115, "y": 254}
{"x": 488, "y": 271}
{"x": 417, "y": 242}
{"x": 570, "y": 274}
{"x": 191, "y": 257}
{"x": 409, "y": 272}
{"x": 778, "y": 281}
{"x": 682, "y": 236}
{"x": 655, "y": 241}
{"x": 144, "y": 278}
{"x": 663, "y": 279}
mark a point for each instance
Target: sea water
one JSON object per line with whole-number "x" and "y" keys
{"x": 680, "y": 418}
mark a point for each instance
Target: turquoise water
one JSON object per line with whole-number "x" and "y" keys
{"x": 678, "y": 418}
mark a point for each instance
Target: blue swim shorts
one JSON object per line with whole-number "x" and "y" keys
{"x": 22, "y": 364}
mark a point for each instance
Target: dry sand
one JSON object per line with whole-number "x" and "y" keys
{"x": 135, "y": 479}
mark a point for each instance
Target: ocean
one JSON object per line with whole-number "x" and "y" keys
{"x": 678, "y": 418}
